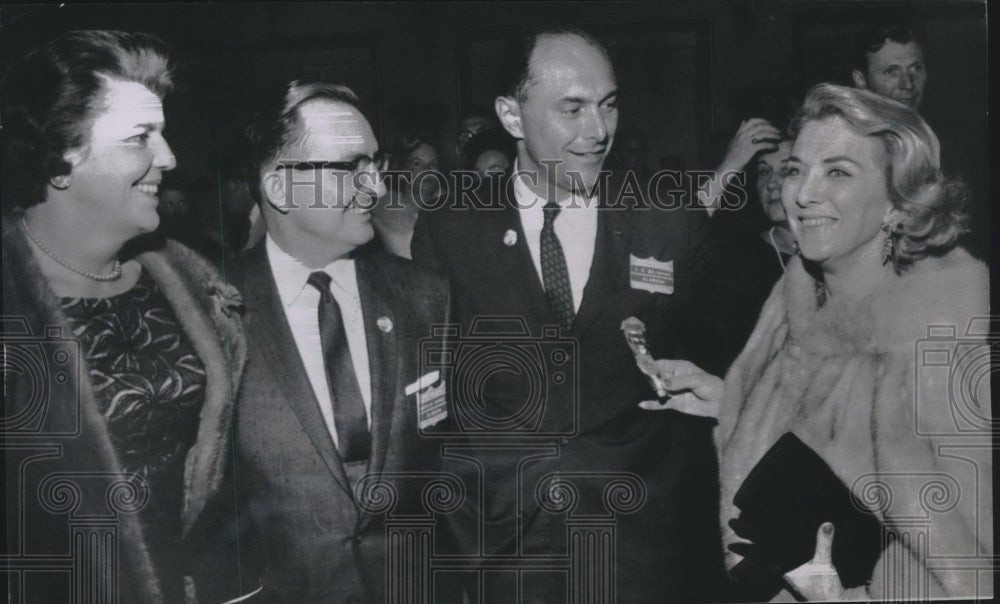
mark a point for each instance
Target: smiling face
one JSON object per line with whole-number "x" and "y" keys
{"x": 835, "y": 193}
{"x": 116, "y": 174}
{"x": 770, "y": 173}
{"x": 329, "y": 204}
{"x": 569, "y": 114}
{"x": 896, "y": 71}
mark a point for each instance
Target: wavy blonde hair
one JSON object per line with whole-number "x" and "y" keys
{"x": 933, "y": 208}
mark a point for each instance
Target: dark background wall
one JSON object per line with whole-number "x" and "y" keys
{"x": 689, "y": 70}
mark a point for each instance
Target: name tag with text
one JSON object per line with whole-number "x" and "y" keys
{"x": 432, "y": 404}
{"x": 651, "y": 275}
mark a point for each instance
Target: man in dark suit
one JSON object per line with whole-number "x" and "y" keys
{"x": 333, "y": 386}
{"x": 584, "y": 263}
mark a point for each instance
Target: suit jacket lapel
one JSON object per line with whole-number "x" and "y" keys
{"x": 609, "y": 268}
{"x": 268, "y": 328}
{"x": 376, "y": 302}
{"x": 515, "y": 263}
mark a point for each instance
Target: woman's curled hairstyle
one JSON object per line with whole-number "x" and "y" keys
{"x": 49, "y": 98}
{"x": 933, "y": 207}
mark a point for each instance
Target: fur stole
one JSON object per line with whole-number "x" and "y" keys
{"x": 69, "y": 421}
{"x": 853, "y": 381}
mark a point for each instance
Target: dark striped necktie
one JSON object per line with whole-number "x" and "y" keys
{"x": 555, "y": 275}
{"x": 354, "y": 440}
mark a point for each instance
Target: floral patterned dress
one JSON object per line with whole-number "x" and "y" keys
{"x": 150, "y": 388}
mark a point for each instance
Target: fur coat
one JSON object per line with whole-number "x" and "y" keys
{"x": 71, "y": 503}
{"x": 889, "y": 389}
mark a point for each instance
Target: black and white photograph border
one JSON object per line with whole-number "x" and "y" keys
{"x": 692, "y": 76}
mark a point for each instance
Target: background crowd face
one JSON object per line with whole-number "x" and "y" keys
{"x": 421, "y": 160}
{"x": 835, "y": 193}
{"x": 336, "y": 208}
{"x": 492, "y": 162}
{"x": 770, "y": 176}
{"x": 898, "y": 72}
{"x": 568, "y": 115}
{"x": 116, "y": 174}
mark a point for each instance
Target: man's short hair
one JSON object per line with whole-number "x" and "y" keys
{"x": 873, "y": 38}
{"x": 516, "y": 75}
{"x": 274, "y": 124}
{"x": 488, "y": 140}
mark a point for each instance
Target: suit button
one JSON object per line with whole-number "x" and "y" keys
{"x": 563, "y": 441}
{"x": 359, "y": 539}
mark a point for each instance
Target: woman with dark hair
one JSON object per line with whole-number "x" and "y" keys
{"x": 127, "y": 420}
{"x": 776, "y": 234}
{"x": 491, "y": 153}
{"x": 834, "y": 393}
{"x": 754, "y": 248}
{"x": 416, "y": 182}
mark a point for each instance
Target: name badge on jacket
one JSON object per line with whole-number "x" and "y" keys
{"x": 431, "y": 401}
{"x": 651, "y": 275}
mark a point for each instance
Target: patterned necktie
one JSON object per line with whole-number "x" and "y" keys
{"x": 555, "y": 275}
{"x": 348, "y": 407}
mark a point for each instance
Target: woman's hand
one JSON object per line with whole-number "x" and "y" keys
{"x": 690, "y": 389}
{"x": 754, "y": 135}
{"x": 817, "y": 580}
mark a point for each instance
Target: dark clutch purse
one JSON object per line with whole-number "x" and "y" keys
{"x": 783, "y": 501}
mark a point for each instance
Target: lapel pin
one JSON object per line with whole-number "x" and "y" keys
{"x": 510, "y": 237}
{"x": 384, "y": 323}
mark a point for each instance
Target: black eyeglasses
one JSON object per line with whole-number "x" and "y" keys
{"x": 363, "y": 163}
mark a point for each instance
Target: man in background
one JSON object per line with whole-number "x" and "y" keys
{"x": 890, "y": 61}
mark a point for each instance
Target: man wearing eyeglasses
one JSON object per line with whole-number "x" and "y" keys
{"x": 473, "y": 121}
{"x": 330, "y": 405}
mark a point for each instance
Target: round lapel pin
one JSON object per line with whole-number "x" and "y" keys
{"x": 510, "y": 237}
{"x": 384, "y": 323}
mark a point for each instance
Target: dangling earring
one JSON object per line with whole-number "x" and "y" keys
{"x": 888, "y": 247}
{"x": 60, "y": 182}
{"x": 889, "y": 225}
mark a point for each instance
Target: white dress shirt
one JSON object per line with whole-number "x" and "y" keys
{"x": 575, "y": 226}
{"x": 301, "y": 304}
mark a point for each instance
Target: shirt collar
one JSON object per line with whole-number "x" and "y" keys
{"x": 291, "y": 276}
{"x": 528, "y": 200}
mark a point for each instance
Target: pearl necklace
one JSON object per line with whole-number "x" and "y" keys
{"x": 774, "y": 244}
{"x": 114, "y": 275}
